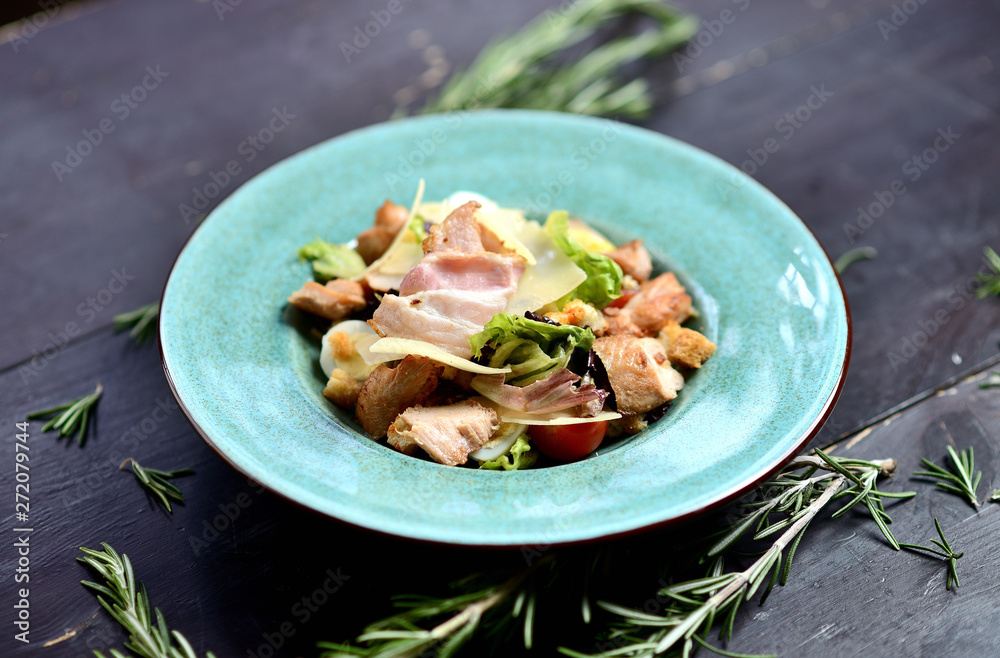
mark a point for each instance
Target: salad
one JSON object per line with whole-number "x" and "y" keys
{"x": 468, "y": 333}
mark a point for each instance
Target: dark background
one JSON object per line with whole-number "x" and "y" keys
{"x": 917, "y": 329}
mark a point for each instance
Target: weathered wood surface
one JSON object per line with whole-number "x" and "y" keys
{"x": 117, "y": 212}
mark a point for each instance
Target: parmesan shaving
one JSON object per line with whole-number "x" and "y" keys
{"x": 553, "y": 418}
{"x": 403, "y": 346}
{"x": 551, "y": 277}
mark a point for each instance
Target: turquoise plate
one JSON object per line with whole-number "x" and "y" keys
{"x": 247, "y": 377}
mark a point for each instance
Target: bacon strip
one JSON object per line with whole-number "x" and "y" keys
{"x": 455, "y": 289}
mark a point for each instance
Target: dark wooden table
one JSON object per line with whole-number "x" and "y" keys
{"x": 910, "y": 94}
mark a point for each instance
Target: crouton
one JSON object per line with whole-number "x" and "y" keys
{"x": 684, "y": 346}
{"x": 342, "y": 389}
{"x": 580, "y": 314}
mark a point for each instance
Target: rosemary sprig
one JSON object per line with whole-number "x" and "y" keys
{"x": 72, "y": 416}
{"x": 960, "y": 480}
{"x": 694, "y": 606}
{"x": 142, "y": 321}
{"x": 852, "y": 256}
{"x": 157, "y": 481}
{"x": 948, "y": 554}
{"x": 995, "y": 497}
{"x": 400, "y": 636}
{"x": 527, "y": 70}
{"x": 128, "y": 602}
{"x": 779, "y": 511}
{"x": 992, "y": 381}
{"x": 991, "y": 282}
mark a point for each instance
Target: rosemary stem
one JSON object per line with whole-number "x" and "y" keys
{"x": 886, "y": 466}
{"x": 744, "y": 578}
{"x": 477, "y": 609}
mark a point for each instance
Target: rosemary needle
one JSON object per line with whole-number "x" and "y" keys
{"x": 991, "y": 282}
{"x": 141, "y": 320}
{"x": 529, "y": 70}
{"x": 127, "y": 601}
{"x": 962, "y": 480}
{"x": 852, "y": 256}
{"x": 781, "y": 509}
{"x": 157, "y": 481}
{"x": 948, "y": 554}
{"x": 72, "y": 416}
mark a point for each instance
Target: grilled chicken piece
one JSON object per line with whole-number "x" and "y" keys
{"x": 638, "y": 371}
{"x": 448, "y": 434}
{"x": 634, "y": 260}
{"x": 456, "y": 288}
{"x": 388, "y": 391}
{"x": 334, "y": 301}
{"x": 374, "y": 242}
{"x": 659, "y": 301}
{"x": 685, "y": 346}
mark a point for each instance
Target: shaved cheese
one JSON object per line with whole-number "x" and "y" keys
{"x": 435, "y": 212}
{"x": 552, "y": 276}
{"x": 432, "y": 212}
{"x": 403, "y": 346}
{"x": 364, "y": 347}
{"x": 396, "y": 263}
{"x": 555, "y": 418}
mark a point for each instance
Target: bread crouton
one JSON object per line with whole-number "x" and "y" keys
{"x": 627, "y": 425}
{"x": 580, "y": 314}
{"x": 684, "y": 346}
{"x": 342, "y": 389}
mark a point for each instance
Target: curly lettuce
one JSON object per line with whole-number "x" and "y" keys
{"x": 532, "y": 349}
{"x": 604, "y": 276}
{"x": 521, "y": 455}
{"x": 332, "y": 261}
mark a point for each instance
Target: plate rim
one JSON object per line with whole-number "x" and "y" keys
{"x": 734, "y": 492}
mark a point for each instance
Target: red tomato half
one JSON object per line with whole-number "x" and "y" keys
{"x": 568, "y": 442}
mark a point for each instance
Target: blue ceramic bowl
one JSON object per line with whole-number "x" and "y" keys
{"x": 249, "y": 382}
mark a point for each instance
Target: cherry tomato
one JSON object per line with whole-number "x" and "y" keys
{"x": 623, "y": 299}
{"x": 568, "y": 442}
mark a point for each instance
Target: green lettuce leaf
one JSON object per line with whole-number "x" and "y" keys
{"x": 332, "y": 261}
{"x": 521, "y": 455}
{"x": 532, "y": 349}
{"x": 417, "y": 226}
{"x": 604, "y": 276}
